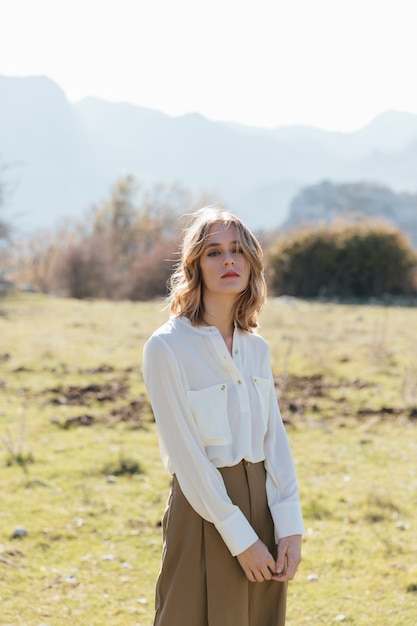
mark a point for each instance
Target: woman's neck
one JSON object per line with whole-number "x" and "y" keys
{"x": 222, "y": 318}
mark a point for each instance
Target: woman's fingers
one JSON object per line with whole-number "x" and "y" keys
{"x": 257, "y": 562}
{"x": 289, "y": 557}
{"x": 259, "y": 565}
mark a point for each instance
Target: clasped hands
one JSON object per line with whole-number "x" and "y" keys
{"x": 259, "y": 564}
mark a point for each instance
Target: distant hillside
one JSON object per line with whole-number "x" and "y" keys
{"x": 323, "y": 203}
{"x": 65, "y": 157}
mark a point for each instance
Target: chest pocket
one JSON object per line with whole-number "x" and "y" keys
{"x": 209, "y": 409}
{"x": 263, "y": 390}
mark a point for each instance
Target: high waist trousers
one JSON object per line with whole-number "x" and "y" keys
{"x": 200, "y": 582}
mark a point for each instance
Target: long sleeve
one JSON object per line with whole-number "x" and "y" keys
{"x": 281, "y": 482}
{"x": 182, "y": 448}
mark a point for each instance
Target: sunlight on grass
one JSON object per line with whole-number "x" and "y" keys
{"x": 81, "y": 473}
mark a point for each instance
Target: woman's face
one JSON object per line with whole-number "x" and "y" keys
{"x": 224, "y": 266}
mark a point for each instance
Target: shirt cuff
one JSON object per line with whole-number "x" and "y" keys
{"x": 288, "y": 519}
{"x": 237, "y": 533}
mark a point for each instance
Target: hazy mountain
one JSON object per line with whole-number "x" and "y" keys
{"x": 52, "y": 164}
{"x": 323, "y": 203}
{"x": 64, "y": 157}
{"x": 389, "y": 132}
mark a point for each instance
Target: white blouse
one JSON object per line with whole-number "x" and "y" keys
{"x": 213, "y": 410}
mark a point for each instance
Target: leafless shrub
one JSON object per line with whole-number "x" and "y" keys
{"x": 85, "y": 270}
{"x": 148, "y": 276}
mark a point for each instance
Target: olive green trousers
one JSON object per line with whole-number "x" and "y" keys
{"x": 200, "y": 582}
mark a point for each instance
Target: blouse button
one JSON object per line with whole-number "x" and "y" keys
{"x": 223, "y": 387}
{"x": 239, "y": 382}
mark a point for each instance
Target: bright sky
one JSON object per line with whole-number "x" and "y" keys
{"x": 334, "y": 64}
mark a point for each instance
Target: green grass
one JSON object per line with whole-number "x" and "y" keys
{"x": 91, "y": 496}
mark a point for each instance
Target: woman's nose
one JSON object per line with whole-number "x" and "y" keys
{"x": 228, "y": 258}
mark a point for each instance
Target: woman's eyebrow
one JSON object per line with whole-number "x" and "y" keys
{"x": 213, "y": 245}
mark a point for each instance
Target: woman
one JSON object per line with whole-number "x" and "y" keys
{"x": 232, "y": 528}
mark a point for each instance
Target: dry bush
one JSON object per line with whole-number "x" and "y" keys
{"x": 31, "y": 262}
{"x": 85, "y": 270}
{"x": 123, "y": 248}
{"x": 149, "y": 275}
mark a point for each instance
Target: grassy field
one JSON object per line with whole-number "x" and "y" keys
{"x": 80, "y": 468}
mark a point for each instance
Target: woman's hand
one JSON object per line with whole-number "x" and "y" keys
{"x": 257, "y": 562}
{"x": 289, "y": 557}
{"x": 259, "y": 565}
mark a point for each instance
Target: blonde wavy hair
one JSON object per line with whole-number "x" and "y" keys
{"x": 186, "y": 283}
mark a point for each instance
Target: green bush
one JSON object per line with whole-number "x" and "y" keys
{"x": 360, "y": 260}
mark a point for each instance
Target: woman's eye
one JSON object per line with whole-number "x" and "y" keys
{"x": 213, "y": 253}
{"x": 238, "y": 251}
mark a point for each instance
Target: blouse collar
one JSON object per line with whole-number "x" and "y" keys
{"x": 203, "y": 330}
